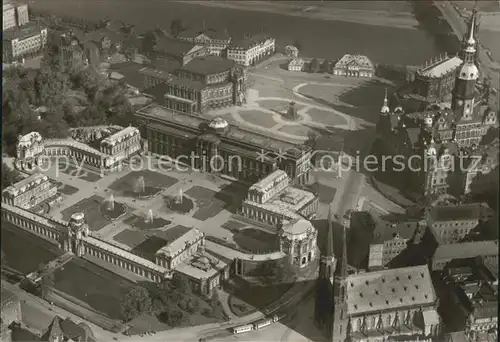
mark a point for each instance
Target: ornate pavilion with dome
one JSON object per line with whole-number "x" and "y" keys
{"x": 298, "y": 240}
{"x": 213, "y": 145}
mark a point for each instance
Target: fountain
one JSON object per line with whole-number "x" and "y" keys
{"x": 111, "y": 203}
{"x": 178, "y": 200}
{"x": 139, "y": 185}
{"x": 149, "y": 217}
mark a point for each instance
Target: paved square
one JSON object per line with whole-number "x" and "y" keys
{"x": 128, "y": 182}
{"x": 258, "y": 117}
{"x": 208, "y": 204}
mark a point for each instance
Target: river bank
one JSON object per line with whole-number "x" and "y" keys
{"x": 329, "y": 39}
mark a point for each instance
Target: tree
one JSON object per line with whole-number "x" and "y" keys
{"x": 181, "y": 284}
{"x": 314, "y": 65}
{"x": 176, "y": 27}
{"x": 325, "y": 66}
{"x": 9, "y": 176}
{"x": 135, "y": 303}
{"x": 285, "y": 272}
{"x": 2, "y": 258}
{"x": 312, "y": 137}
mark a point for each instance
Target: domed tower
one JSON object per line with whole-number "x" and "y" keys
{"x": 468, "y": 74}
{"x": 78, "y": 228}
{"x": 385, "y": 108}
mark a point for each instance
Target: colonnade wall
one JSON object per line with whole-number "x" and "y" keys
{"x": 57, "y": 232}
{"x": 243, "y": 267}
{"x": 49, "y": 229}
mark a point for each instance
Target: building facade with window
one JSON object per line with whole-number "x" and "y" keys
{"x": 29, "y": 192}
{"x": 216, "y": 41}
{"x": 251, "y": 49}
{"x": 26, "y": 41}
{"x": 218, "y": 147}
{"x": 354, "y": 66}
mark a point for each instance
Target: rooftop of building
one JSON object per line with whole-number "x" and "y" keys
{"x": 207, "y": 65}
{"x": 386, "y": 231}
{"x": 130, "y": 71}
{"x": 26, "y": 31}
{"x": 201, "y": 266}
{"x": 173, "y": 47}
{"x": 194, "y": 32}
{"x": 389, "y": 289}
{"x": 359, "y": 60}
{"x": 466, "y": 250}
{"x": 67, "y": 329}
{"x": 461, "y": 212}
{"x": 242, "y": 134}
{"x": 120, "y": 136}
{"x": 178, "y": 242}
{"x": 187, "y": 83}
{"x": 26, "y": 184}
{"x": 287, "y": 202}
{"x": 249, "y": 42}
{"x": 297, "y": 227}
{"x": 269, "y": 180}
{"x": 156, "y": 72}
{"x": 441, "y": 67}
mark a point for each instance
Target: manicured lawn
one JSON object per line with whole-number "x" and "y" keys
{"x": 256, "y": 241}
{"x": 96, "y": 286}
{"x": 66, "y": 189}
{"x": 184, "y": 206}
{"x": 208, "y": 204}
{"x": 326, "y": 193}
{"x": 91, "y": 207}
{"x": 130, "y": 237}
{"x": 259, "y": 118}
{"x": 233, "y": 226}
{"x": 152, "y": 179}
{"x": 325, "y": 117}
{"x": 140, "y": 222}
{"x": 25, "y": 252}
{"x": 300, "y": 130}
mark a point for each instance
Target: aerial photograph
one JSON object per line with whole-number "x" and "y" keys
{"x": 255, "y": 171}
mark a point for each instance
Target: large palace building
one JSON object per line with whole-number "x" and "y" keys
{"x": 437, "y": 134}
{"x": 217, "y": 42}
{"x": 30, "y": 191}
{"x": 251, "y": 49}
{"x": 216, "y": 146}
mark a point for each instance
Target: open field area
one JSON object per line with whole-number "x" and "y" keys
{"x": 93, "y": 285}
{"x": 24, "y": 252}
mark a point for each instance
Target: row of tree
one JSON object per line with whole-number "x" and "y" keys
{"x": 173, "y": 302}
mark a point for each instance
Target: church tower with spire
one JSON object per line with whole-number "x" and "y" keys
{"x": 331, "y": 297}
{"x": 385, "y": 107}
{"x": 468, "y": 74}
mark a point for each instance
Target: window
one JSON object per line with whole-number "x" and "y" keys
{"x": 388, "y": 322}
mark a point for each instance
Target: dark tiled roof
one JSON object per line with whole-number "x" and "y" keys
{"x": 174, "y": 47}
{"x": 8, "y": 297}
{"x": 466, "y": 250}
{"x": 187, "y": 83}
{"x": 23, "y": 32}
{"x": 131, "y": 72}
{"x": 456, "y": 212}
{"x": 209, "y": 65}
{"x": 247, "y": 43}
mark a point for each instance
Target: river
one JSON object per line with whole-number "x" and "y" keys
{"x": 319, "y": 38}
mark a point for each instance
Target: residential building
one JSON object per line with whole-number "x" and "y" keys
{"x": 251, "y": 49}
{"x": 296, "y": 64}
{"x": 291, "y": 51}
{"x": 470, "y": 299}
{"x": 22, "y": 42}
{"x": 216, "y": 41}
{"x": 354, "y": 66}
{"x": 445, "y": 253}
{"x": 436, "y": 80}
{"x": 67, "y": 330}
{"x": 30, "y": 191}
{"x": 180, "y": 135}
{"x": 450, "y": 224}
{"x": 9, "y": 16}
{"x": 373, "y": 305}
{"x": 273, "y": 201}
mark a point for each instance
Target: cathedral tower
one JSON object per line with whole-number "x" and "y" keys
{"x": 385, "y": 108}
{"x": 323, "y": 314}
{"x": 331, "y": 300}
{"x": 468, "y": 74}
